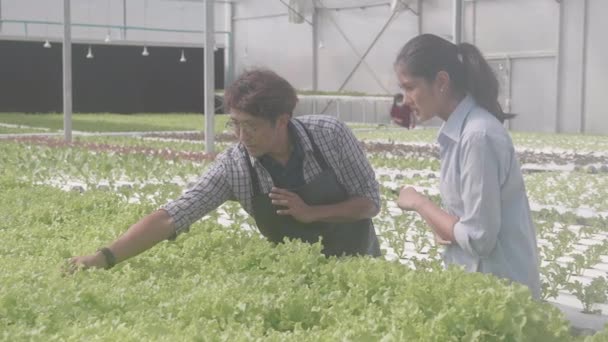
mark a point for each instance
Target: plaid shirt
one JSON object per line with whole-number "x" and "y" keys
{"x": 228, "y": 177}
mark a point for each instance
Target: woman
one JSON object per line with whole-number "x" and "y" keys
{"x": 485, "y": 222}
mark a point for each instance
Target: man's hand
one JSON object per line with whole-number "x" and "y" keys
{"x": 293, "y": 204}
{"x": 96, "y": 260}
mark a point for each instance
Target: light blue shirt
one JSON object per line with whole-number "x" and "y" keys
{"x": 481, "y": 183}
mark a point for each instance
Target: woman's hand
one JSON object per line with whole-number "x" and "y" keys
{"x": 409, "y": 198}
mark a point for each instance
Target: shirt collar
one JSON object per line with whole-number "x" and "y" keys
{"x": 452, "y": 128}
{"x": 296, "y": 154}
{"x": 299, "y": 134}
{"x": 297, "y": 128}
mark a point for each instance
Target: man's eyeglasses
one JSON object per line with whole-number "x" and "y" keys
{"x": 245, "y": 127}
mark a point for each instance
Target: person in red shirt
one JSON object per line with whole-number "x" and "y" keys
{"x": 401, "y": 113}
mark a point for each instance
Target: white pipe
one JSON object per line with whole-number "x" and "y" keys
{"x": 124, "y": 19}
{"x": 457, "y": 21}
{"x": 67, "y": 71}
{"x": 338, "y": 109}
{"x": 420, "y": 14}
{"x": 509, "y": 67}
{"x": 228, "y": 47}
{"x": 363, "y": 7}
{"x": 100, "y": 41}
{"x": 520, "y": 55}
{"x": 266, "y": 16}
{"x": 209, "y": 70}
{"x": 558, "y": 69}
{"x": 315, "y": 49}
{"x": 474, "y": 23}
{"x": 583, "y": 122}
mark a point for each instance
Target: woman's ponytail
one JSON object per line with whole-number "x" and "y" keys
{"x": 480, "y": 80}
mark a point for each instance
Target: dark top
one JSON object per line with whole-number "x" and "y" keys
{"x": 290, "y": 176}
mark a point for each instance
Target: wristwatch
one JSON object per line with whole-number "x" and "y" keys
{"x": 109, "y": 256}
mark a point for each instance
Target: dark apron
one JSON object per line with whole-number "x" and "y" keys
{"x": 349, "y": 238}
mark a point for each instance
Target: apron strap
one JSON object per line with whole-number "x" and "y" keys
{"x": 316, "y": 151}
{"x": 255, "y": 182}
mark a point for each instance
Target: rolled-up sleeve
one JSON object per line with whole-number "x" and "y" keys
{"x": 210, "y": 191}
{"x": 356, "y": 171}
{"x": 477, "y": 230}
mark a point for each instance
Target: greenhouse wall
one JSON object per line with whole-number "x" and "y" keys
{"x": 549, "y": 56}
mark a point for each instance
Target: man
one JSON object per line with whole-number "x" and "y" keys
{"x": 305, "y": 178}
